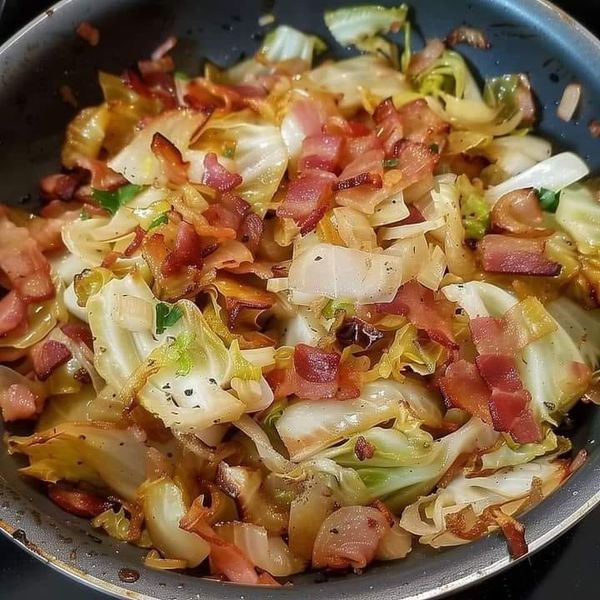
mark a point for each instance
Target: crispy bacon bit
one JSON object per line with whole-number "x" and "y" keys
{"x": 229, "y": 212}
{"x": 207, "y": 96}
{"x": 86, "y": 31}
{"x": 13, "y": 312}
{"x": 594, "y": 128}
{"x": 77, "y": 502}
{"x": 415, "y": 161}
{"x": 136, "y": 242}
{"x": 389, "y": 125}
{"x": 78, "y": 333}
{"x": 463, "y": 387}
{"x": 349, "y": 538}
{"x": 321, "y": 152}
{"x": 513, "y": 531}
{"x": 217, "y": 176}
{"x": 427, "y": 310}
{"x": 519, "y": 213}
{"x": 516, "y": 256}
{"x": 499, "y": 371}
{"x": 187, "y": 251}
{"x": 363, "y": 449}
{"x": 19, "y": 402}
{"x": 468, "y": 35}
{"x": 511, "y": 413}
{"x": 421, "y": 61}
{"x": 172, "y": 163}
{"x": 48, "y": 356}
{"x": 359, "y": 332}
{"x": 307, "y": 199}
{"x": 102, "y": 176}
{"x": 358, "y": 146}
{"x": 316, "y": 365}
{"x": 59, "y": 186}
{"x": 25, "y": 266}
{"x": 250, "y": 232}
{"x": 371, "y": 179}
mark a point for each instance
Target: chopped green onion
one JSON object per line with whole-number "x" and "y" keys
{"x": 112, "y": 201}
{"x": 390, "y": 163}
{"x": 548, "y": 199}
{"x": 166, "y": 316}
{"x": 334, "y": 306}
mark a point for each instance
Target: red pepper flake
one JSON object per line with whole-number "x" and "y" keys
{"x": 86, "y": 31}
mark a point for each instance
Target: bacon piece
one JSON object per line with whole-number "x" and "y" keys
{"x": 217, "y": 176}
{"x": 102, "y": 176}
{"x": 187, "y": 251}
{"x": 359, "y": 332}
{"x": 207, "y": 96}
{"x": 356, "y": 147}
{"x": 136, "y": 242}
{"x": 468, "y": 35}
{"x": 389, "y": 125}
{"x": 59, "y": 186}
{"x": 371, "y": 179}
{"x": 414, "y": 216}
{"x": 172, "y": 163}
{"x": 349, "y": 538}
{"x": 463, "y": 387}
{"x": 321, "y": 152}
{"x": 425, "y": 309}
{"x": 77, "y": 502}
{"x": 250, "y": 232}
{"x": 516, "y": 256}
{"x": 13, "y": 312}
{"x": 48, "y": 356}
{"x": 157, "y": 85}
{"x": 79, "y": 333}
{"x": 519, "y": 213}
{"x": 420, "y": 124}
{"x": 416, "y": 161}
{"x": 86, "y": 31}
{"x": 307, "y": 199}
{"x": 18, "y": 402}
{"x": 25, "y": 266}
{"x": 421, "y": 61}
{"x": 229, "y": 212}
{"x": 511, "y": 413}
{"x": 490, "y": 336}
{"x": 315, "y": 364}
{"x": 513, "y": 531}
{"x": 499, "y": 371}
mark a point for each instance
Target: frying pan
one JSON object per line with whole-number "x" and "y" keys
{"x": 527, "y": 35}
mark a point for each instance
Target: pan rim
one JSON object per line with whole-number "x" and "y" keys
{"x": 588, "y": 498}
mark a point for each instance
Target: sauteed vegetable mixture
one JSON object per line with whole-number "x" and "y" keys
{"x": 303, "y": 313}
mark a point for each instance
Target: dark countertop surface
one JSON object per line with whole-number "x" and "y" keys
{"x": 566, "y": 569}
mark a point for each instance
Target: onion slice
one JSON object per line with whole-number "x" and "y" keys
{"x": 569, "y": 102}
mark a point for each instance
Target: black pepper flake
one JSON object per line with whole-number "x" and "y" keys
{"x": 188, "y": 392}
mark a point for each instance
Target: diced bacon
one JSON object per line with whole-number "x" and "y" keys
{"x": 228, "y": 212}
{"x": 307, "y": 199}
{"x": 349, "y": 538}
{"x": 499, "y": 371}
{"x": 389, "y": 125}
{"x": 152, "y": 85}
{"x": 136, "y": 242}
{"x": 187, "y": 251}
{"x": 425, "y": 309}
{"x": 48, "y": 356}
{"x": 102, "y": 176}
{"x": 47, "y": 231}
{"x": 490, "y": 336}
{"x": 463, "y": 387}
{"x": 315, "y": 364}
{"x": 13, "y": 312}
{"x": 511, "y": 413}
{"x": 310, "y": 116}
{"x": 356, "y": 147}
{"x": 25, "y": 266}
{"x": 18, "y": 402}
{"x": 59, "y": 186}
{"x": 172, "y": 163}
{"x": 217, "y": 176}
{"x": 207, "y": 96}
{"x": 415, "y": 161}
{"x": 420, "y": 124}
{"x": 79, "y": 333}
{"x": 251, "y": 231}
{"x": 421, "y": 61}
{"x": 516, "y": 256}
{"x": 519, "y": 213}
{"x": 321, "y": 152}
{"x": 149, "y": 68}
{"x": 77, "y": 502}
